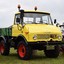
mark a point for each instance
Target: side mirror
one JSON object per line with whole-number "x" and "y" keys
{"x": 21, "y": 13}
{"x": 18, "y": 20}
{"x": 55, "y": 21}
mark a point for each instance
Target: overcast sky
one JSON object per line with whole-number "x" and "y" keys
{"x": 9, "y": 7}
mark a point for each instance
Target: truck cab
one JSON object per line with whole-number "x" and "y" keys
{"x": 34, "y": 25}
{"x": 34, "y": 30}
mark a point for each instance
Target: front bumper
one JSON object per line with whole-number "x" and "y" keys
{"x": 47, "y": 43}
{"x": 43, "y": 45}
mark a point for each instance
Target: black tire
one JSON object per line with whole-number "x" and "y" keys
{"x": 5, "y": 48}
{"x": 24, "y": 51}
{"x": 52, "y": 53}
{"x": 62, "y": 48}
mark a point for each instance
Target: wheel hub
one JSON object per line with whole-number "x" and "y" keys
{"x": 1, "y": 47}
{"x": 22, "y": 50}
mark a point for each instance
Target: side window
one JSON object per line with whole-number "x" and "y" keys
{"x": 17, "y": 19}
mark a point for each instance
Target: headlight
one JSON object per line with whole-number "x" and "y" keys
{"x": 35, "y": 37}
{"x": 59, "y": 37}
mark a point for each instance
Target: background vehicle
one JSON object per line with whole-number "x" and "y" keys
{"x": 32, "y": 30}
{"x": 62, "y": 29}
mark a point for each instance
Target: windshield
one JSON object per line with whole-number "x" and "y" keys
{"x": 32, "y": 18}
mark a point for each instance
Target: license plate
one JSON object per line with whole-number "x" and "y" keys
{"x": 50, "y": 47}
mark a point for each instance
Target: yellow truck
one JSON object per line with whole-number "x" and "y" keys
{"x": 32, "y": 30}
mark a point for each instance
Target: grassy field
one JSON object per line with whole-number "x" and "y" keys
{"x": 39, "y": 58}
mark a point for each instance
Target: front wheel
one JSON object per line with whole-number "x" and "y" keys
{"x": 52, "y": 53}
{"x": 24, "y": 51}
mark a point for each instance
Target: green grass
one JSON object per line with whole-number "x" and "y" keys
{"x": 39, "y": 58}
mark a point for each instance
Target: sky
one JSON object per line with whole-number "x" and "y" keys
{"x": 9, "y": 7}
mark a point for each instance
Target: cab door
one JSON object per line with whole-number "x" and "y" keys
{"x": 16, "y": 28}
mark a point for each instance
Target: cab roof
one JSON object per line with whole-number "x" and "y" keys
{"x": 29, "y": 11}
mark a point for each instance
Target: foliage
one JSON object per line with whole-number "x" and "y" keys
{"x": 39, "y": 58}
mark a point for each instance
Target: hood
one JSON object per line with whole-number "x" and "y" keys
{"x": 42, "y": 28}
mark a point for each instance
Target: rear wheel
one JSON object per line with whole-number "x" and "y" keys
{"x": 52, "y": 53}
{"x": 4, "y": 48}
{"x": 24, "y": 51}
{"x": 1, "y": 47}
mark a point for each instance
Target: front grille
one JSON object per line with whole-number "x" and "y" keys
{"x": 43, "y": 36}
{"x": 47, "y": 36}
{"x": 54, "y": 36}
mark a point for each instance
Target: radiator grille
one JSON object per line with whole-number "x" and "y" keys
{"x": 46, "y": 36}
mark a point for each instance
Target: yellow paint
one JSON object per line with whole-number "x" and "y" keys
{"x": 36, "y": 29}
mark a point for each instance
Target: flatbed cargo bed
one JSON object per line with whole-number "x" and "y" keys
{"x": 6, "y": 31}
